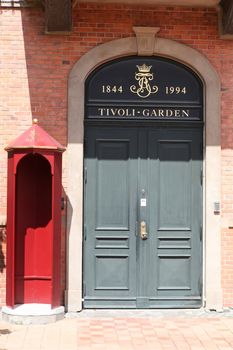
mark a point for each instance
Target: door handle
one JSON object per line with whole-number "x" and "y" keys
{"x": 143, "y": 230}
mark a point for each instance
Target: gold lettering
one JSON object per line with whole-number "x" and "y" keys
{"x": 121, "y": 112}
{"x": 169, "y": 113}
{"x": 132, "y": 112}
{"x": 185, "y": 113}
{"x": 101, "y": 110}
{"x": 113, "y": 111}
{"x": 153, "y": 113}
{"x": 107, "y": 89}
{"x": 177, "y": 113}
{"x": 146, "y": 112}
{"x": 170, "y": 90}
{"x": 161, "y": 113}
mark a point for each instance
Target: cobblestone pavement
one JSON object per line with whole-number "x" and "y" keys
{"x": 124, "y": 330}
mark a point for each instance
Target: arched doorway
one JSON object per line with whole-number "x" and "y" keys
{"x": 212, "y": 295}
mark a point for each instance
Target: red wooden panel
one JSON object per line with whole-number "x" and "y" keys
{"x": 33, "y": 232}
{"x": 34, "y": 290}
{"x": 56, "y": 208}
{"x": 10, "y": 297}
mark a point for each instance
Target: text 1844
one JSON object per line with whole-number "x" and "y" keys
{"x": 107, "y": 89}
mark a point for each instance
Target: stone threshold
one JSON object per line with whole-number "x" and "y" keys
{"x": 26, "y": 314}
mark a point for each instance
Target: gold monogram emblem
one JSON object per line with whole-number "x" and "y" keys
{"x": 144, "y": 76}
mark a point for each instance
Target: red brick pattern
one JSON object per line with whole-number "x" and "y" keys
{"x": 151, "y": 334}
{"x": 122, "y": 333}
{"x": 34, "y": 70}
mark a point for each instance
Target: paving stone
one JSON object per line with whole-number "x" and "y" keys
{"x": 117, "y": 330}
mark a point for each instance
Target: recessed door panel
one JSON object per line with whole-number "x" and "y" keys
{"x": 110, "y": 216}
{"x": 112, "y": 184}
{"x": 174, "y": 184}
{"x": 174, "y": 272}
{"x": 112, "y": 272}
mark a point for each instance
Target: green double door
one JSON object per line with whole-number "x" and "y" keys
{"x": 142, "y": 217}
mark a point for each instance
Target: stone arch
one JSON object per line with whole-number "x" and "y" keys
{"x": 212, "y": 165}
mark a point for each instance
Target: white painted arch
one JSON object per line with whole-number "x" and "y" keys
{"x": 199, "y": 63}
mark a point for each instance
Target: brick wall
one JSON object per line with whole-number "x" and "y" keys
{"x": 34, "y": 70}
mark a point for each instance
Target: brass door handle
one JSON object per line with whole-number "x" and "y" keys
{"x": 143, "y": 231}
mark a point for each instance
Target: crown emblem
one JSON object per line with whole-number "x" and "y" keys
{"x": 144, "y": 68}
{"x": 144, "y": 77}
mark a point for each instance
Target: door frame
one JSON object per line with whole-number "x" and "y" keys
{"x": 212, "y": 291}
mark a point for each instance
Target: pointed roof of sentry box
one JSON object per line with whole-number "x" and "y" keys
{"x": 35, "y": 137}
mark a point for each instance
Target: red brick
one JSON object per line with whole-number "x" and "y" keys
{"x": 33, "y": 81}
